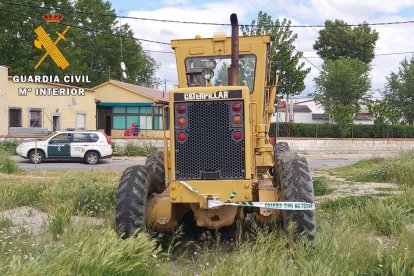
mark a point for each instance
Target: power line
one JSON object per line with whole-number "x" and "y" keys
{"x": 162, "y": 52}
{"x": 204, "y": 23}
{"x": 320, "y": 70}
{"x": 376, "y": 55}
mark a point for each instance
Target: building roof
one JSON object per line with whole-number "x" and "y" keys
{"x": 297, "y": 108}
{"x": 150, "y": 93}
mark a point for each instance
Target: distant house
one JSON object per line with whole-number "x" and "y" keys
{"x": 120, "y": 105}
{"x": 308, "y": 111}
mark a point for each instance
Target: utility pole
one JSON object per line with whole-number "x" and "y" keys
{"x": 287, "y": 109}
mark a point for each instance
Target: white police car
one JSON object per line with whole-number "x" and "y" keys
{"x": 91, "y": 146}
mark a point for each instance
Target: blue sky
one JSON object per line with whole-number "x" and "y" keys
{"x": 393, "y": 38}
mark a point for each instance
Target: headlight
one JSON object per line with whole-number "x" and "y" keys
{"x": 207, "y": 74}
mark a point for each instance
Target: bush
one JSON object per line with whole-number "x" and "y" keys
{"x": 9, "y": 146}
{"x": 131, "y": 149}
{"x": 332, "y": 131}
{"x": 7, "y": 165}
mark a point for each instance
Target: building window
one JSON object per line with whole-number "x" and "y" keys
{"x": 143, "y": 116}
{"x": 80, "y": 120}
{"x": 35, "y": 117}
{"x": 80, "y": 137}
{"x": 15, "y": 117}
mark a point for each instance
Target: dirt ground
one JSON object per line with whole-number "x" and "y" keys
{"x": 346, "y": 156}
{"x": 35, "y": 221}
{"x": 343, "y": 188}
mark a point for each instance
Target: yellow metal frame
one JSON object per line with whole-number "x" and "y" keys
{"x": 221, "y": 46}
{"x": 256, "y": 119}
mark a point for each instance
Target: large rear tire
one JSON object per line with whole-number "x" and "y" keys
{"x": 296, "y": 185}
{"x": 155, "y": 164}
{"x": 281, "y": 147}
{"x": 131, "y": 201}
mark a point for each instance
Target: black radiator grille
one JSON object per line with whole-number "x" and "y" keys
{"x": 209, "y": 149}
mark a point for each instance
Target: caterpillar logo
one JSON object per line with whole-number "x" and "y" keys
{"x": 204, "y": 96}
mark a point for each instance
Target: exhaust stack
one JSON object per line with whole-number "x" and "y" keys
{"x": 234, "y": 70}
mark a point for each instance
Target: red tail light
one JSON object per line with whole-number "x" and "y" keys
{"x": 182, "y": 136}
{"x": 108, "y": 140}
{"x": 181, "y": 109}
{"x": 237, "y": 135}
{"x": 236, "y": 107}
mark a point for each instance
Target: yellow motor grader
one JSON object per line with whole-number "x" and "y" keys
{"x": 218, "y": 164}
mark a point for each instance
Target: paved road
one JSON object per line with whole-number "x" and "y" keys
{"x": 329, "y": 163}
{"x": 121, "y": 163}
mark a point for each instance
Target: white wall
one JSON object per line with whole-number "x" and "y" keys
{"x": 349, "y": 145}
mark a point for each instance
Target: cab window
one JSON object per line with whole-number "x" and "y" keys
{"x": 218, "y": 64}
{"x": 61, "y": 138}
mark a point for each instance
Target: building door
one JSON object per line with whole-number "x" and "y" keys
{"x": 108, "y": 124}
{"x": 56, "y": 122}
{"x": 81, "y": 120}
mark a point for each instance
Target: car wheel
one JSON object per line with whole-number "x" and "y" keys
{"x": 36, "y": 156}
{"x": 92, "y": 158}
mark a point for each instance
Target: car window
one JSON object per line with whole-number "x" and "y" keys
{"x": 93, "y": 137}
{"x": 61, "y": 138}
{"x": 80, "y": 137}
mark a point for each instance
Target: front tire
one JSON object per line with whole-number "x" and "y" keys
{"x": 296, "y": 186}
{"x": 36, "y": 156}
{"x": 131, "y": 201}
{"x": 92, "y": 158}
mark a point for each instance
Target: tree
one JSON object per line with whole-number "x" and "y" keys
{"x": 399, "y": 93}
{"x": 92, "y": 46}
{"x": 283, "y": 54}
{"x": 222, "y": 75}
{"x": 340, "y": 87}
{"x": 339, "y": 40}
{"x": 384, "y": 112}
{"x": 347, "y": 52}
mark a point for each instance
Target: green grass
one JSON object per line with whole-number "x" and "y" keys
{"x": 90, "y": 193}
{"x": 355, "y": 235}
{"x": 321, "y": 186}
{"x": 6, "y": 164}
{"x": 345, "y": 202}
{"x": 59, "y": 222}
{"x": 5, "y": 223}
{"x": 388, "y": 218}
{"x": 9, "y": 146}
{"x": 398, "y": 169}
{"x": 85, "y": 251}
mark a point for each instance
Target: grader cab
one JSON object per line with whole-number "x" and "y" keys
{"x": 218, "y": 165}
